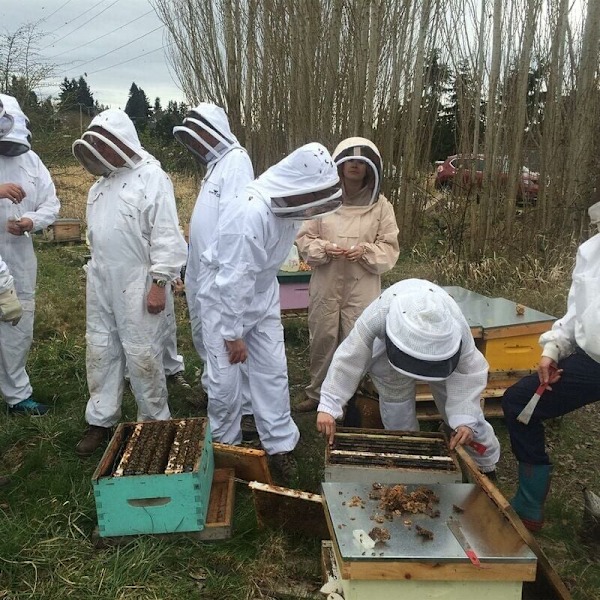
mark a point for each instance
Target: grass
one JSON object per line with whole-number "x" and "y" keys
{"x": 47, "y": 513}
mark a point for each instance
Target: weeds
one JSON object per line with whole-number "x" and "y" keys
{"x": 48, "y": 514}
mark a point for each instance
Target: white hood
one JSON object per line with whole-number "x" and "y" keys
{"x": 19, "y": 135}
{"x": 212, "y": 119}
{"x": 97, "y": 160}
{"x": 308, "y": 169}
{"x": 117, "y": 122}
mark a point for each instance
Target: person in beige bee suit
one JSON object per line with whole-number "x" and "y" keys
{"x": 347, "y": 251}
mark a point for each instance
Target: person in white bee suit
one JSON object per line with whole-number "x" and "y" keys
{"x": 241, "y": 318}
{"x": 28, "y": 203}
{"x": 136, "y": 251}
{"x": 206, "y": 133}
{"x": 414, "y": 332}
{"x": 347, "y": 251}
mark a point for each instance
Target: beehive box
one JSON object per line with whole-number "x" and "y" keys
{"x": 505, "y": 332}
{"x": 65, "y": 230}
{"x": 155, "y": 477}
{"x": 359, "y": 455}
{"x": 293, "y": 290}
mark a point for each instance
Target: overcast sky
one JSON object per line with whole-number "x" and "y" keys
{"x": 85, "y": 37}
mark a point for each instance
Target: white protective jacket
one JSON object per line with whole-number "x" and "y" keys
{"x": 580, "y": 326}
{"x": 240, "y": 300}
{"x": 134, "y": 237}
{"x": 225, "y": 180}
{"x": 41, "y": 206}
{"x": 457, "y": 397}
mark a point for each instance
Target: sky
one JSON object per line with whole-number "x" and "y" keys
{"x": 89, "y": 37}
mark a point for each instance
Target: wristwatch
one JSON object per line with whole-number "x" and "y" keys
{"x": 160, "y": 282}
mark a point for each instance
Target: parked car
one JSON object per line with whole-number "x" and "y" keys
{"x": 466, "y": 165}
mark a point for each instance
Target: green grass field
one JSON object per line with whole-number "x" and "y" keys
{"x": 47, "y": 512}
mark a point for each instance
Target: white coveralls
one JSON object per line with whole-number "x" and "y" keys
{"x": 134, "y": 237}
{"x": 225, "y": 179}
{"x": 41, "y": 206}
{"x": 457, "y": 398}
{"x": 240, "y": 300}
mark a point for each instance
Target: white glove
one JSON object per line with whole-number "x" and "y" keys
{"x": 10, "y": 307}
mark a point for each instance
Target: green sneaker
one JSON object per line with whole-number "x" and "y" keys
{"x": 29, "y": 408}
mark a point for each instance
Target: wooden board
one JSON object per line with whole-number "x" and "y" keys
{"x": 547, "y": 585}
{"x": 249, "y": 464}
{"x": 219, "y": 518}
{"x": 292, "y": 510}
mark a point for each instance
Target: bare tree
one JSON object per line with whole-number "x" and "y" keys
{"x": 20, "y": 58}
{"x": 525, "y": 89}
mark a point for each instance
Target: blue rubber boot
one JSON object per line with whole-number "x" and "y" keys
{"x": 528, "y": 502}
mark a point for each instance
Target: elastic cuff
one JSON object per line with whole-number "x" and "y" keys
{"x": 551, "y": 351}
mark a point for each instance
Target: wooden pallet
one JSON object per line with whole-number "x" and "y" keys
{"x": 219, "y": 520}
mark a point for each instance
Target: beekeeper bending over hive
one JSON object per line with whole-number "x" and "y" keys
{"x": 137, "y": 250}
{"x": 28, "y": 203}
{"x": 241, "y": 320}
{"x": 413, "y": 332}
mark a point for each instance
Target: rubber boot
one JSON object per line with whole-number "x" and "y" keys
{"x": 528, "y": 502}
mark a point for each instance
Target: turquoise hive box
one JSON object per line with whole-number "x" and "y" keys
{"x": 155, "y": 477}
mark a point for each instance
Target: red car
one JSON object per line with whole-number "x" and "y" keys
{"x": 465, "y": 164}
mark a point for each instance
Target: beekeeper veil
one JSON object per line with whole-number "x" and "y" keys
{"x": 205, "y": 133}
{"x": 15, "y": 137}
{"x": 362, "y": 149}
{"x": 110, "y": 143}
{"x": 304, "y": 185}
{"x": 423, "y": 339}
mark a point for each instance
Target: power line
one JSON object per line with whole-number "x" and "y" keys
{"x": 104, "y": 35}
{"x": 53, "y": 13}
{"x": 119, "y": 48}
{"x": 130, "y": 59}
{"x": 80, "y": 26}
{"x": 69, "y": 22}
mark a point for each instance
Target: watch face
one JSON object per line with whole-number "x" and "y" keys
{"x": 160, "y": 282}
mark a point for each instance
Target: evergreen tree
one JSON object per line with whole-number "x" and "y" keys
{"x": 76, "y": 95}
{"x": 67, "y": 96}
{"x": 164, "y": 123}
{"x": 138, "y": 107}
{"x": 84, "y": 96}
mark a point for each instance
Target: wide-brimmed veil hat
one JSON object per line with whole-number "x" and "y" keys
{"x": 423, "y": 339}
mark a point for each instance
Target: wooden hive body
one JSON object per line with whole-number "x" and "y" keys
{"x": 153, "y": 503}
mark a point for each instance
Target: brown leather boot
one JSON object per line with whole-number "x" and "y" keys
{"x": 92, "y": 439}
{"x": 306, "y": 405}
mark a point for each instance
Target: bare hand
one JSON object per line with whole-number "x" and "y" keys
{"x": 178, "y": 286}
{"x": 20, "y": 226}
{"x": 355, "y": 253}
{"x": 460, "y": 436}
{"x": 326, "y": 426}
{"x": 334, "y": 251}
{"x": 156, "y": 299}
{"x": 12, "y": 191}
{"x": 238, "y": 353}
{"x": 548, "y": 371}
